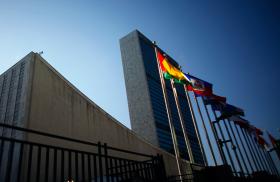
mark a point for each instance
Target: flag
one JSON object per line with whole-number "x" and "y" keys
{"x": 214, "y": 99}
{"x": 198, "y": 86}
{"x": 170, "y": 71}
{"x": 243, "y": 123}
{"x": 258, "y": 131}
{"x": 230, "y": 110}
{"x": 261, "y": 141}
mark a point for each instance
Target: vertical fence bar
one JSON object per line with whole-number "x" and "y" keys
{"x": 125, "y": 169}
{"x": 54, "y": 165}
{"x": 38, "y": 163}
{"x": 20, "y": 162}
{"x": 47, "y": 164}
{"x": 111, "y": 171}
{"x": 89, "y": 167}
{"x": 62, "y": 165}
{"x": 130, "y": 170}
{"x": 83, "y": 167}
{"x": 116, "y": 170}
{"x": 76, "y": 166}
{"x": 95, "y": 168}
{"x": 1, "y": 149}
{"x": 106, "y": 162}
{"x": 121, "y": 169}
{"x": 29, "y": 162}
{"x": 10, "y": 161}
{"x": 100, "y": 162}
{"x": 134, "y": 168}
{"x": 70, "y": 176}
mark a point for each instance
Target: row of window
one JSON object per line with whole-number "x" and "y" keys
{"x": 10, "y": 94}
{"x": 19, "y": 92}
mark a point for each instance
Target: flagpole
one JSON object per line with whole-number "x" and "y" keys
{"x": 257, "y": 152}
{"x": 267, "y": 160}
{"x": 187, "y": 141}
{"x": 224, "y": 140}
{"x": 215, "y": 133}
{"x": 205, "y": 130}
{"x": 171, "y": 126}
{"x": 243, "y": 146}
{"x": 234, "y": 147}
{"x": 195, "y": 126}
{"x": 257, "y": 165}
{"x": 272, "y": 162}
{"x": 264, "y": 159}
{"x": 261, "y": 167}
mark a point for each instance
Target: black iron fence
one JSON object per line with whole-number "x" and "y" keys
{"x": 23, "y": 158}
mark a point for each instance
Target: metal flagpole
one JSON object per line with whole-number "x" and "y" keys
{"x": 187, "y": 141}
{"x": 243, "y": 146}
{"x": 205, "y": 130}
{"x": 225, "y": 141}
{"x": 258, "y": 153}
{"x": 264, "y": 158}
{"x": 257, "y": 165}
{"x": 196, "y": 127}
{"x": 263, "y": 152}
{"x": 218, "y": 141}
{"x": 234, "y": 146}
{"x": 261, "y": 166}
{"x": 272, "y": 162}
{"x": 172, "y": 129}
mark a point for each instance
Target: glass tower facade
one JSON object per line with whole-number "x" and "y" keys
{"x": 150, "y": 76}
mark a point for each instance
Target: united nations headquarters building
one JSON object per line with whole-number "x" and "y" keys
{"x": 51, "y": 131}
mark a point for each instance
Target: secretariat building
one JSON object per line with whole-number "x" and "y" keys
{"x": 145, "y": 98}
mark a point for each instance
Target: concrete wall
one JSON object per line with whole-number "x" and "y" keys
{"x": 57, "y": 107}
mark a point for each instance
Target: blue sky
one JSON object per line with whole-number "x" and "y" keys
{"x": 233, "y": 44}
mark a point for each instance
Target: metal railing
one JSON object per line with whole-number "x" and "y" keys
{"x": 24, "y": 159}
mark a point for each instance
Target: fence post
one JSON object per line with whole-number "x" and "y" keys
{"x": 100, "y": 161}
{"x": 106, "y": 162}
{"x": 160, "y": 168}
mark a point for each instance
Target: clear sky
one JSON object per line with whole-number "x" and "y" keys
{"x": 233, "y": 44}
